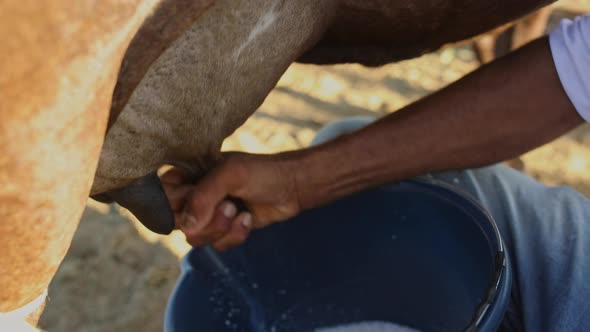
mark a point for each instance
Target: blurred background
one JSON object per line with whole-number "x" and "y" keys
{"x": 117, "y": 276}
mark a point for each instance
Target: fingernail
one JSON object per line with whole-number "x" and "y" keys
{"x": 247, "y": 220}
{"x": 229, "y": 210}
{"x": 188, "y": 220}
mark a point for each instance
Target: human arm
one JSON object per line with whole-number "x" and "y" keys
{"x": 494, "y": 114}
{"x": 500, "y": 111}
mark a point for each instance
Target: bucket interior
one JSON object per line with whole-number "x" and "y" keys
{"x": 413, "y": 253}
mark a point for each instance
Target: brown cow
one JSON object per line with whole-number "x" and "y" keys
{"x": 60, "y": 61}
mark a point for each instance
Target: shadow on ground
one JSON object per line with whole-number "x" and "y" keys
{"x": 112, "y": 280}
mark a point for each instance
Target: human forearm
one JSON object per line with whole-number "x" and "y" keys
{"x": 498, "y": 112}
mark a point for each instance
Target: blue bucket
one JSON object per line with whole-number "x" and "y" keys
{"x": 417, "y": 253}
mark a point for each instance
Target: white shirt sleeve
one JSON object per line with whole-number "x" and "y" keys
{"x": 570, "y": 46}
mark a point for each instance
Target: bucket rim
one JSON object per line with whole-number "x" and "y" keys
{"x": 501, "y": 270}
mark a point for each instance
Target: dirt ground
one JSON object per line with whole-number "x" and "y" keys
{"x": 117, "y": 276}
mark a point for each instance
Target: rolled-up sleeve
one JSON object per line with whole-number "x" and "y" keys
{"x": 570, "y": 46}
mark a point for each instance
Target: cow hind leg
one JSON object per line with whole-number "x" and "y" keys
{"x": 56, "y": 90}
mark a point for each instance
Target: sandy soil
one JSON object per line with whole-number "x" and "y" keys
{"x": 117, "y": 276}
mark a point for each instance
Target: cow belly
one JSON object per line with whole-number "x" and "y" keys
{"x": 376, "y": 32}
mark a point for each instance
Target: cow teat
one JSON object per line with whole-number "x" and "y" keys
{"x": 146, "y": 199}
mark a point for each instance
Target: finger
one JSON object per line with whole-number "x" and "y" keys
{"x": 175, "y": 176}
{"x": 177, "y": 196}
{"x": 238, "y": 233}
{"x": 177, "y": 220}
{"x": 207, "y": 195}
{"x": 177, "y": 188}
{"x": 216, "y": 229}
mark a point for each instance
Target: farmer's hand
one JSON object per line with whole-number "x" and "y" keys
{"x": 265, "y": 183}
